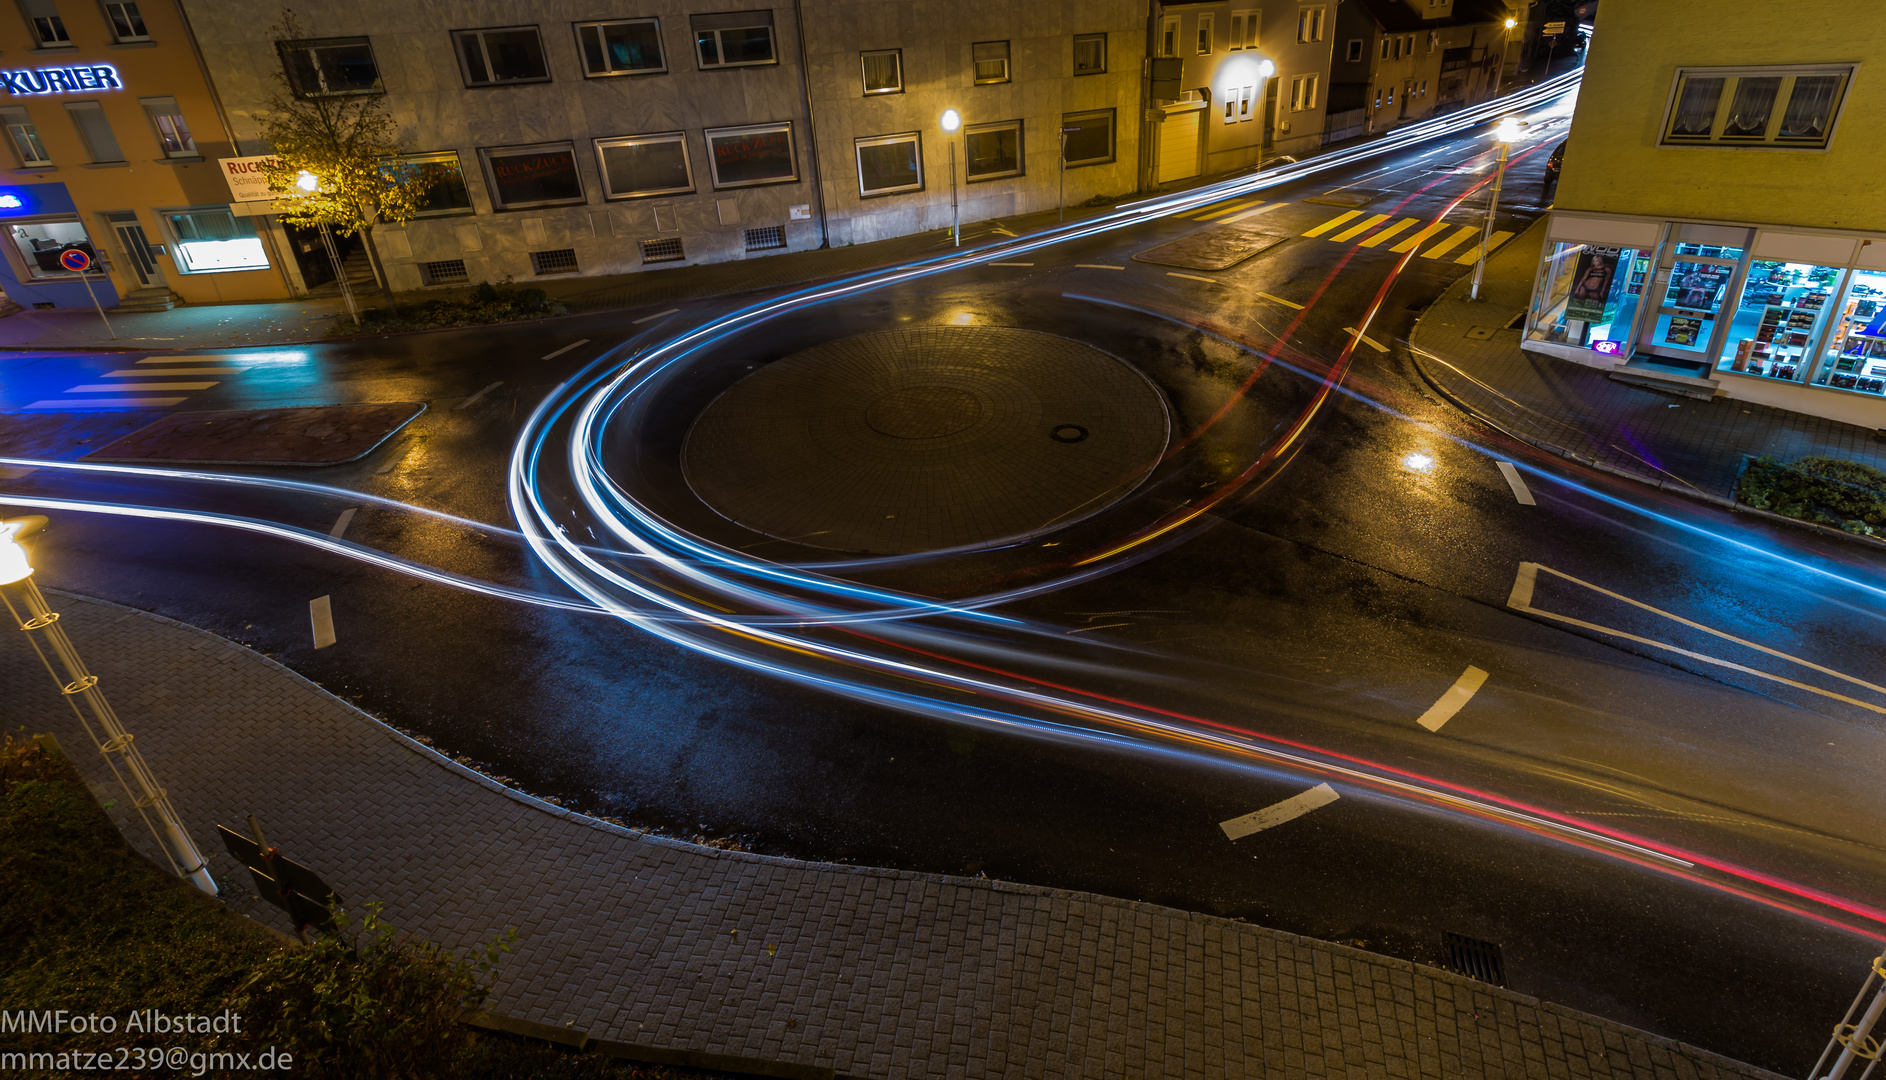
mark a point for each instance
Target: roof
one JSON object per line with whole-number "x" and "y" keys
{"x": 1396, "y": 17}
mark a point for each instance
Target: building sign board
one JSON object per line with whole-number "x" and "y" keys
{"x": 247, "y": 177}
{"x": 60, "y": 80}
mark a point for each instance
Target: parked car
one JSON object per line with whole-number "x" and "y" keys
{"x": 1552, "y": 166}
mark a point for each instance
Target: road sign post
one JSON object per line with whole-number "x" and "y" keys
{"x": 283, "y": 882}
{"x": 75, "y": 260}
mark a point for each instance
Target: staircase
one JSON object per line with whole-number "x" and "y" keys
{"x": 359, "y": 271}
{"x": 150, "y": 298}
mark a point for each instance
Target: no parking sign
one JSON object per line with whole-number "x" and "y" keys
{"x": 75, "y": 260}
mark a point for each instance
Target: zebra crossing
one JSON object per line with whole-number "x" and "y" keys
{"x": 1354, "y": 224}
{"x": 158, "y": 382}
{"x": 1219, "y": 213}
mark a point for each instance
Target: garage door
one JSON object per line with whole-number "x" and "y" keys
{"x": 1178, "y": 145}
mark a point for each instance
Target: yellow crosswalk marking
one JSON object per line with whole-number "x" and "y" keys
{"x": 1419, "y": 238}
{"x": 1349, "y": 234}
{"x": 1346, "y": 215}
{"x": 1462, "y": 234}
{"x": 1389, "y": 232}
{"x": 1232, "y": 209}
{"x": 1495, "y": 241}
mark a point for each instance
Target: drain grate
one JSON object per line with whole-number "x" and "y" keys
{"x": 1473, "y": 958}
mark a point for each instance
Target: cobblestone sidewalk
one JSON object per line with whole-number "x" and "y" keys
{"x": 870, "y": 973}
{"x": 1569, "y": 408}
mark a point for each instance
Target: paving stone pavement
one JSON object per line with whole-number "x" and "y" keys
{"x": 1681, "y": 442}
{"x": 872, "y": 973}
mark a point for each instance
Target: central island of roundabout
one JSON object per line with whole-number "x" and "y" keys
{"x": 927, "y": 438}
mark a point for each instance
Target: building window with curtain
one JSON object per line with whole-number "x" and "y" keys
{"x": 172, "y": 133}
{"x": 25, "y": 138}
{"x": 883, "y": 71}
{"x": 1772, "y": 108}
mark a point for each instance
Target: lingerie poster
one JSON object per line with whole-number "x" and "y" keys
{"x": 1591, "y": 286}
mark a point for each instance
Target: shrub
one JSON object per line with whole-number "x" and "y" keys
{"x": 1832, "y": 491}
{"x": 487, "y": 303}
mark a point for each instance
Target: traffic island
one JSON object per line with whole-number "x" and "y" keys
{"x": 320, "y": 435}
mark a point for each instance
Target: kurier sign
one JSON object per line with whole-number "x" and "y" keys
{"x": 60, "y": 80}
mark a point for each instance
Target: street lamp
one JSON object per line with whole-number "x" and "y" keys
{"x": 310, "y": 184}
{"x": 951, "y": 122}
{"x": 16, "y": 572}
{"x": 1505, "y": 133}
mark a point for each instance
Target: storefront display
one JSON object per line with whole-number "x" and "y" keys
{"x": 40, "y": 243}
{"x": 1855, "y": 356}
{"x": 1593, "y": 296}
{"x": 1780, "y": 318}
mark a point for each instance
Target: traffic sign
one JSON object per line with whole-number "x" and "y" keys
{"x": 75, "y": 260}
{"x": 1554, "y": 29}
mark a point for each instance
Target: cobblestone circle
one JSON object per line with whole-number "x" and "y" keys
{"x": 924, "y": 438}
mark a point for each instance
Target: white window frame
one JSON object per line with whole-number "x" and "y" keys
{"x": 1081, "y": 39}
{"x": 1113, "y": 136}
{"x": 1245, "y": 96}
{"x": 713, "y": 167}
{"x": 1169, "y": 37}
{"x": 16, "y": 118}
{"x": 1021, "y": 151}
{"x": 864, "y": 73}
{"x": 440, "y": 157}
{"x": 49, "y": 29}
{"x": 609, "y": 71}
{"x": 1244, "y": 28}
{"x": 158, "y": 109}
{"x": 680, "y": 138}
{"x": 310, "y": 45}
{"x": 1008, "y": 56}
{"x": 131, "y": 18}
{"x": 763, "y": 20}
{"x": 1770, "y": 139}
{"x": 1204, "y": 35}
{"x": 179, "y": 243}
{"x": 1310, "y": 24}
{"x": 915, "y": 138}
{"x": 487, "y": 153}
{"x": 458, "y": 51}
{"x": 1303, "y": 93}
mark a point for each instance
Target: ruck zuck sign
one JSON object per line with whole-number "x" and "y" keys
{"x": 61, "y": 80}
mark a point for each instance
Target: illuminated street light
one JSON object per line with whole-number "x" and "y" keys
{"x": 951, "y": 122}
{"x": 80, "y": 685}
{"x": 1510, "y": 23}
{"x": 1505, "y": 133}
{"x": 308, "y": 182}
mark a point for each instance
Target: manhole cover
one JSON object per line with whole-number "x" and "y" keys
{"x": 1473, "y": 958}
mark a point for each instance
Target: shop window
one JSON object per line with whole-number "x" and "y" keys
{"x": 1243, "y": 30}
{"x": 1303, "y": 93}
{"x": 1090, "y": 54}
{"x": 991, "y": 62}
{"x": 632, "y": 47}
{"x": 89, "y": 117}
{"x": 444, "y": 175}
{"x": 214, "y": 241}
{"x": 1855, "y": 356}
{"x": 637, "y": 166}
{"x": 526, "y": 176}
{"x": 502, "y": 56}
{"x": 40, "y": 243}
{"x": 1205, "y": 29}
{"x": 1590, "y": 295}
{"x": 330, "y": 67}
{"x": 172, "y": 133}
{"x": 992, "y": 151}
{"x": 883, "y": 71}
{"x": 1087, "y": 138}
{"x": 752, "y": 155}
{"x": 48, "y": 28}
{"x": 25, "y": 138}
{"x": 739, "y": 39}
{"x": 1774, "y": 108}
{"x": 127, "y": 24}
{"x": 889, "y": 164}
{"x": 1778, "y": 323}
{"x": 1310, "y": 24}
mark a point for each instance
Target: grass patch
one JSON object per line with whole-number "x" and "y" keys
{"x": 90, "y": 926}
{"x": 487, "y": 304}
{"x": 1825, "y": 490}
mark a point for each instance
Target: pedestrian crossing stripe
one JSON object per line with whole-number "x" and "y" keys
{"x": 1461, "y": 235}
{"x": 1347, "y": 215}
{"x": 1419, "y": 238}
{"x": 1232, "y": 209}
{"x": 1358, "y": 229}
{"x": 1494, "y": 241}
{"x": 1390, "y": 232}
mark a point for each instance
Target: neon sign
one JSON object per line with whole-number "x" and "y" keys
{"x": 10, "y": 202}
{"x": 66, "y": 80}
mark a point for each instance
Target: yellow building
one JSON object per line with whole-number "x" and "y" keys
{"x": 112, "y": 136}
{"x": 1715, "y": 230}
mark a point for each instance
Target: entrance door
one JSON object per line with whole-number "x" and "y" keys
{"x": 1178, "y": 145}
{"x": 136, "y": 248}
{"x": 1696, "y": 275}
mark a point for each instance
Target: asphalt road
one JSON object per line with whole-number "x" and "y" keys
{"x": 1328, "y": 603}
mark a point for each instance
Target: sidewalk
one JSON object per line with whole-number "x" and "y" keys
{"x": 1680, "y": 443}
{"x": 647, "y": 943}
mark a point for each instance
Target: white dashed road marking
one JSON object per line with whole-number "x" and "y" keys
{"x": 1366, "y": 339}
{"x": 321, "y": 614}
{"x": 125, "y": 387}
{"x": 1517, "y": 483}
{"x": 652, "y": 318}
{"x": 1457, "y": 695}
{"x": 1192, "y": 277}
{"x": 340, "y": 524}
{"x": 474, "y": 399}
{"x": 585, "y": 341}
{"x": 1290, "y": 809}
{"x": 106, "y": 403}
{"x": 133, "y": 373}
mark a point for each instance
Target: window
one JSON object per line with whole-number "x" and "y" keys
{"x": 621, "y": 48}
{"x": 751, "y": 155}
{"x": 1303, "y": 93}
{"x": 1169, "y": 36}
{"x": 1245, "y": 95}
{"x": 330, "y": 67}
{"x": 1087, "y": 138}
{"x": 889, "y": 164}
{"x": 25, "y": 138}
{"x": 96, "y": 131}
{"x": 883, "y": 71}
{"x": 637, "y": 166}
{"x": 992, "y": 151}
{"x": 510, "y": 54}
{"x": 48, "y": 27}
{"x": 1355, "y": 50}
{"x": 444, "y": 177}
{"x": 1310, "y": 24}
{"x": 1434, "y": 40}
{"x": 1090, "y": 54}
{"x": 1391, "y": 97}
{"x": 765, "y": 238}
{"x": 667, "y": 249}
{"x": 1384, "y": 48}
{"x": 1204, "y": 33}
{"x": 443, "y": 272}
{"x": 736, "y": 39}
{"x": 526, "y": 176}
{"x": 991, "y": 59}
{"x": 1231, "y": 105}
{"x": 40, "y": 243}
{"x": 172, "y": 133}
{"x": 1243, "y": 30}
{"x": 1396, "y": 51}
{"x": 560, "y": 261}
{"x": 1776, "y": 107}
{"x": 1378, "y": 97}
{"x": 126, "y": 23}
{"x": 212, "y": 240}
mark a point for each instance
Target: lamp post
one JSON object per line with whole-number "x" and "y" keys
{"x": 951, "y": 122}
{"x": 1504, "y": 134}
{"x": 78, "y": 685}
{"x": 311, "y": 183}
